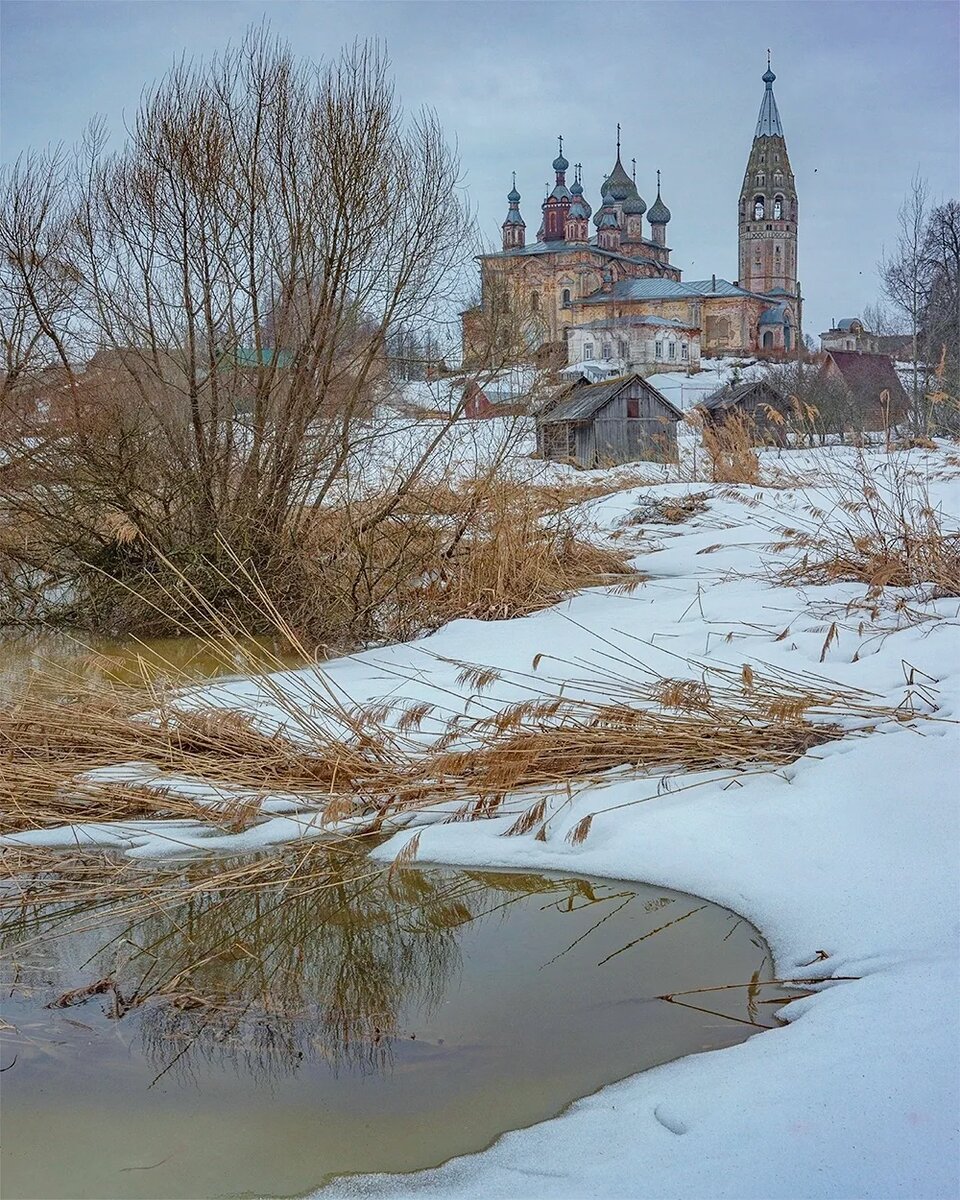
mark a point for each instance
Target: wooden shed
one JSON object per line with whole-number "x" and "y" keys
{"x": 616, "y": 421}
{"x": 758, "y": 402}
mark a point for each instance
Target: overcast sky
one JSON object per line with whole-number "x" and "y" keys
{"x": 868, "y": 93}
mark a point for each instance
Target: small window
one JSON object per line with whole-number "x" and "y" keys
{"x": 684, "y": 351}
{"x": 759, "y": 208}
{"x": 778, "y": 208}
{"x": 534, "y": 301}
{"x": 587, "y": 351}
{"x": 621, "y": 348}
{"x": 658, "y": 349}
{"x": 607, "y": 352}
{"x": 633, "y": 407}
{"x": 566, "y": 297}
{"x": 671, "y": 350}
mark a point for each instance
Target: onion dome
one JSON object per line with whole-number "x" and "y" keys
{"x": 513, "y": 213}
{"x": 659, "y": 214}
{"x": 560, "y": 164}
{"x": 619, "y": 185}
{"x": 635, "y": 205}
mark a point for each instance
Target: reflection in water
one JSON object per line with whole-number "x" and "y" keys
{"x": 266, "y": 979}
{"x": 217, "y": 1038}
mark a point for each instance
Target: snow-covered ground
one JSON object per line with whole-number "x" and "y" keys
{"x": 847, "y": 860}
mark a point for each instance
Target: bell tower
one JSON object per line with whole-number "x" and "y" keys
{"x": 768, "y": 206}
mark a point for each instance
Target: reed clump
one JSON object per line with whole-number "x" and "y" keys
{"x": 876, "y": 526}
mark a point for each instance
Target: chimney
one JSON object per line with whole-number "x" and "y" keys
{"x": 713, "y": 284}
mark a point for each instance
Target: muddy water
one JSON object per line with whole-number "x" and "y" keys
{"x": 259, "y": 1043}
{"x": 59, "y": 658}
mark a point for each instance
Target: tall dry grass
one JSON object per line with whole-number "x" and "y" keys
{"x": 876, "y": 525}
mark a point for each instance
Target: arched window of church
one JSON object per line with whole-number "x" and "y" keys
{"x": 684, "y": 351}
{"x": 658, "y": 349}
{"x": 587, "y": 351}
{"x": 759, "y": 207}
{"x": 621, "y": 348}
{"x": 535, "y": 301}
{"x": 671, "y": 350}
{"x": 778, "y": 208}
{"x": 607, "y": 352}
{"x": 566, "y": 297}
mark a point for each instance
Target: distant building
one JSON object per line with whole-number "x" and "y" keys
{"x": 758, "y": 402}
{"x": 642, "y": 344}
{"x": 850, "y": 334}
{"x": 615, "y": 421}
{"x": 871, "y": 382}
{"x": 553, "y": 289}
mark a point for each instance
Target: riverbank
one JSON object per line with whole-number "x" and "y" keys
{"x": 845, "y": 859}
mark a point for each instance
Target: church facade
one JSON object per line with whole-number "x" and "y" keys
{"x": 604, "y": 289}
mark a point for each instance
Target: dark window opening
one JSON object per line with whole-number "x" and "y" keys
{"x": 633, "y": 406}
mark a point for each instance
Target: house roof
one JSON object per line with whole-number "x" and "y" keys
{"x": 581, "y": 400}
{"x": 847, "y": 323}
{"x": 866, "y": 375}
{"x": 666, "y": 289}
{"x": 732, "y": 394}
{"x": 620, "y": 322}
{"x": 249, "y": 356}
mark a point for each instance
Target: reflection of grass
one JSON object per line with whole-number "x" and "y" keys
{"x": 322, "y": 964}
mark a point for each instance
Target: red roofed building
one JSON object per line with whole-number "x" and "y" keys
{"x": 872, "y": 382}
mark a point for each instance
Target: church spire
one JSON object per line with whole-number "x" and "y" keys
{"x": 768, "y": 123}
{"x": 768, "y": 217}
{"x": 514, "y": 229}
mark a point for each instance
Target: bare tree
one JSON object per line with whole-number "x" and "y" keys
{"x": 904, "y": 273}
{"x": 229, "y": 279}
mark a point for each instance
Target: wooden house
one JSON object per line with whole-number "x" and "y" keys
{"x": 614, "y": 421}
{"x": 758, "y": 402}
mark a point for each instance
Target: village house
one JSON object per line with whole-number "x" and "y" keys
{"x": 557, "y": 287}
{"x": 615, "y": 421}
{"x": 500, "y": 395}
{"x": 763, "y": 407}
{"x": 872, "y": 384}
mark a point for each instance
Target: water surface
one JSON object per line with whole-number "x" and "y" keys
{"x": 349, "y": 1019}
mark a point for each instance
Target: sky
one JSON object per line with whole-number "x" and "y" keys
{"x": 868, "y": 92}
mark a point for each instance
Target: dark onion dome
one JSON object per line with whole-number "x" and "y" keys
{"x": 659, "y": 214}
{"x": 560, "y": 163}
{"x": 634, "y": 206}
{"x": 619, "y": 186}
{"x": 768, "y": 76}
{"x": 513, "y": 195}
{"x": 576, "y": 188}
{"x": 607, "y": 218}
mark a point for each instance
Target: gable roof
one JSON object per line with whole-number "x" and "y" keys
{"x": 730, "y": 395}
{"x": 581, "y": 400}
{"x": 866, "y": 375}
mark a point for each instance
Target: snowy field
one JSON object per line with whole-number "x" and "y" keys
{"x": 847, "y": 860}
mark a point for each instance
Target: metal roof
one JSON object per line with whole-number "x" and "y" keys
{"x": 582, "y": 400}
{"x": 666, "y": 289}
{"x": 620, "y": 322}
{"x": 561, "y": 247}
{"x": 774, "y": 316}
